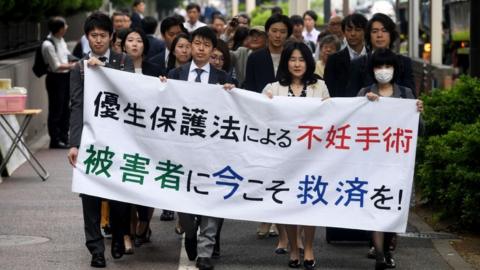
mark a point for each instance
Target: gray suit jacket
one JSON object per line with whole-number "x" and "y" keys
{"x": 216, "y": 76}
{"x": 76, "y": 94}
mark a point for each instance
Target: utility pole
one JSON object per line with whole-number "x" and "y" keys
{"x": 436, "y": 11}
{"x": 413, "y": 22}
{"x": 326, "y": 11}
{"x": 346, "y": 8}
{"x": 475, "y": 38}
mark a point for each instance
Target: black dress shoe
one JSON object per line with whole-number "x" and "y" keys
{"x": 191, "y": 248}
{"x": 98, "y": 261}
{"x": 204, "y": 264}
{"x": 59, "y": 145}
{"x": 309, "y": 264}
{"x": 118, "y": 249}
{"x": 293, "y": 264}
{"x": 389, "y": 260}
{"x": 167, "y": 215}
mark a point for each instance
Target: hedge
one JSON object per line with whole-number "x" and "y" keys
{"x": 448, "y": 159}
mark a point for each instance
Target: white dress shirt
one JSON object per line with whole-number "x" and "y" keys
{"x": 56, "y": 55}
{"x": 192, "y": 27}
{"x": 192, "y": 74}
{"x": 311, "y": 36}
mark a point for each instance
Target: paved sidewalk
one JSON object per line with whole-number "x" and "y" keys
{"x": 30, "y": 207}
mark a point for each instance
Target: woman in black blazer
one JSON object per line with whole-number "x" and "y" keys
{"x": 135, "y": 45}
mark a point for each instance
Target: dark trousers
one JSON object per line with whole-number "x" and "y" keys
{"x": 119, "y": 218}
{"x": 58, "y": 89}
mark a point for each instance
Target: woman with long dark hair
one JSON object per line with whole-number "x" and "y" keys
{"x": 297, "y": 78}
{"x": 180, "y": 52}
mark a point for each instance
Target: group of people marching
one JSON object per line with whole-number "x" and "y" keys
{"x": 287, "y": 56}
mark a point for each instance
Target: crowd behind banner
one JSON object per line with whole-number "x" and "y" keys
{"x": 287, "y": 56}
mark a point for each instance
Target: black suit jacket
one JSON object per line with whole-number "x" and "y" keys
{"x": 159, "y": 60}
{"x": 136, "y": 20}
{"x": 216, "y": 76}
{"x": 360, "y": 75}
{"x": 337, "y": 72}
{"x": 152, "y": 69}
{"x": 260, "y": 71}
{"x": 76, "y": 94}
{"x": 156, "y": 46}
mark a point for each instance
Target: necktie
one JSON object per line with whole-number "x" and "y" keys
{"x": 103, "y": 59}
{"x": 199, "y": 72}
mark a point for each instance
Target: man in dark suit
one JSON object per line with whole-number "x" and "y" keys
{"x": 98, "y": 30}
{"x": 156, "y": 46}
{"x": 262, "y": 65}
{"x": 137, "y": 13}
{"x": 169, "y": 28}
{"x": 200, "y": 70}
{"x": 337, "y": 69}
{"x": 380, "y": 33}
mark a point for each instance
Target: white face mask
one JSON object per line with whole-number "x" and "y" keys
{"x": 384, "y": 75}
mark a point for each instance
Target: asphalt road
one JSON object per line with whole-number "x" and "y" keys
{"x": 30, "y": 207}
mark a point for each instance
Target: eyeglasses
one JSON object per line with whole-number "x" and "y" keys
{"x": 219, "y": 58}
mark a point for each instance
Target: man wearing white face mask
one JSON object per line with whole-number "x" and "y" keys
{"x": 384, "y": 67}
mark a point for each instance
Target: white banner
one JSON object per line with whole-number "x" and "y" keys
{"x": 196, "y": 148}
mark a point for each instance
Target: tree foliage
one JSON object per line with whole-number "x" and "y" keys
{"x": 34, "y": 10}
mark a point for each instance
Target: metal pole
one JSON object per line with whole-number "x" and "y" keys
{"x": 250, "y": 6}
{"x": 475, "y": 38}
{"x": 297, "y": 7}
{"x": 346, "y": 8}
{"x": 436, "y": 32}
{"x": 234, "y": 7}
{"x": 326, "y": 11}
{"x": 413, "y": 22}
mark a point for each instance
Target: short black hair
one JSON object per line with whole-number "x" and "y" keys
{"x": 137, "y": 2}
{"x": 172, "y": 58}
{"x": 285, "y": 78}
{"x": 219, "y": 17}
{"x": 239, "y": 37}
{"x": 277, "y": 10}
{"x": 98, "y": 20}
{"x": 389, "y": 25}
{"x": 146, "y": 45}
{"x": 312, "y": 14}
{"x": 276, "y": 18}
{"x": 245, "y": 16}
{"x": 383, "y": 57}
{"x": 169, "y": 22}
{"x": 296, "y": 20}
{"x": 193, "y": 6}
{"x": 354, "y": 20}
{"x": 206, "y": 33}
{"x": 117, "y": 13}
{"x": 223, "y": 47}
{"x": 149, "y": 25}
{"x": 120, "y": 34}
{"x": 55, "y": 24}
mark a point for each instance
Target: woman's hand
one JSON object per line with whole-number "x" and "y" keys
{"x": 228, "y": 86}
{"x": 269, "y": 94}
{"x": 93, "y": 61}
{"x": 72, "y": 156}
{"x": 372, "y": 96}
{"x": 162, "y": 78}
{"x": 419, "y": 106}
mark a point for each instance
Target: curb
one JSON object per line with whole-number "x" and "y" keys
{"x": 442, "y": 246}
